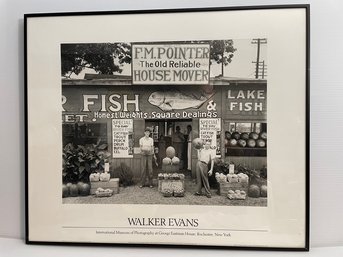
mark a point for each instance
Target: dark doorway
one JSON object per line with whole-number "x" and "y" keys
{"x": 173, "y": 133}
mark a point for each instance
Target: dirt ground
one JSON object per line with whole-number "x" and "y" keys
{"x": 146, "y": 195}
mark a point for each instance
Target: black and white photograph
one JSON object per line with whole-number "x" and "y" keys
{"x": 182, "y": 123}
{"x": 190, "y": 131}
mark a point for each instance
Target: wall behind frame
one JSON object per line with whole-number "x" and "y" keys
{"x": 326, "y": 105}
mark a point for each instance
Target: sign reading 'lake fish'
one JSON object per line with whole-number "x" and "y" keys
{"x": 170, "y": 64}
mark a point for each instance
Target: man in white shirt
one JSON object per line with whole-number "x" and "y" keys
{"x": 205, "y": 156}
{"x": 146, "y": 144}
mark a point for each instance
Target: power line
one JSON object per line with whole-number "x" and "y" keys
{"x": 258, "y": 41}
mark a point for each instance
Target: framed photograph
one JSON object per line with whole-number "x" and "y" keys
{"x": 186, "y": 127}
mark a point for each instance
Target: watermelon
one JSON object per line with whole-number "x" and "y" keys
{"x": 235, "y": 135}
{"x": 85, "y": 189}
{"x": 263, "y": 135}
{"x": 170, "y": 152}
{"x": 166, "y": 161}
{"x": 226, "y": 142}
{"x": 253, "y": 135}
{"x": 263, "y": 191}
{"x": 79, "y": 185}
{"x": 251, "y": 143}
{"x": 245, "y": 136}
{"x": 197, "y": 143}
{"x": 242, "y": 143}
{"x": 233, "y": 142}
{"x": 65, "y": 191}
{"x": 74, "y": 191}
{"x": 261, "y": 143}
{"x": 254, "y": 191}
{"x": 175, "y": 161}
{"x": 227, "y": 135}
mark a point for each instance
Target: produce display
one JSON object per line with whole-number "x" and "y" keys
{"x": 174, "y": 176}
{"x": 74, "y": 190}
{"x": 171, "y": 184}
{"x": 112, "y": 184}
{"x": 231, "y": 178}
{"x": 105, "y": 177}
{"x": 179, "y": 192}
{"x": 236, "y": 195}
{"x": 100, "y": 192}
{"x": 167, "y": 192}
{"x": 252, "y": 139}
{"x": 94, "y": 177}
{"x": 232, "y": 183}
{"x": 171, "y": 162}
{"x": 244, "y": 178}
{"x": 220, "y": 177}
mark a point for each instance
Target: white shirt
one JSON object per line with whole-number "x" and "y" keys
{"x": 146, "y": 145}
{"x": 205, "y": 155}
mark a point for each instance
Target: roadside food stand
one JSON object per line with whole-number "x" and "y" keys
{"x": 113, "y": 110}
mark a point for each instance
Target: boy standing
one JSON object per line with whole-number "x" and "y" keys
{"x": 146, "y": 144}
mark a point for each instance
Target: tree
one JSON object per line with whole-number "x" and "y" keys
{"x": 221, "y": 52}
{"x": 107, "y": 58}
{"x": 103, "y": 58}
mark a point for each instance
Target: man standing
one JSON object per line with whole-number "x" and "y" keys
{"x": 178, "y": 140}
{"x": 205, "y": 156}
{"x": 189, "y": 147}
{"x": 146, "y": 144}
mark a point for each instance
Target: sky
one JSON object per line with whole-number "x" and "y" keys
{"x": 241, "y": 65}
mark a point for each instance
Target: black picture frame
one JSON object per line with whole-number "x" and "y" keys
{"x": 306, "y": 103}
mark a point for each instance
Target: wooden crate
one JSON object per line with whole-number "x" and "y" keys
{"x": 225, "y": 187}
{"x": 170, "y": 168}
{"x": 170, "y": 184}
{"x": 113, "y": 184}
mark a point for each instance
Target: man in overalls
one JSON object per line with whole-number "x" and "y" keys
{"x": 205, "y": 156}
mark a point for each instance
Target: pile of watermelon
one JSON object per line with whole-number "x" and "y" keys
{"x": 73, "y": 190}
{"x": 252, "y": 139}
{"x": 256, "y": 191}
{"x": 170, "y": 163}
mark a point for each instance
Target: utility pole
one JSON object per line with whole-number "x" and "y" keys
{"x": 258, "y": 41}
